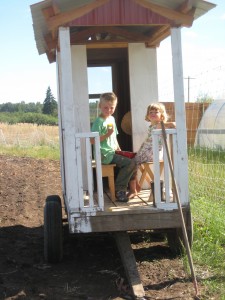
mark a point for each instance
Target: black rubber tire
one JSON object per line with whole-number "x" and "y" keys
{"x": 54, "y": 198}
{"x": 53, "y": 230}
{"x": 175, "y": 237}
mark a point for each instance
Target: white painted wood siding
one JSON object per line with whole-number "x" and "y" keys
{"x": 182, "y": 158}
{"x": 81, "y": 98}
{"x": 143, "y": 87}
{"x": 80, "y": 88}
{"x": 67, "y": 109}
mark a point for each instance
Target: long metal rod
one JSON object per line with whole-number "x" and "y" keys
{"x": 184, "y": 230}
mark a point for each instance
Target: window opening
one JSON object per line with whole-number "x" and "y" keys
{"x": 99, "y": 81}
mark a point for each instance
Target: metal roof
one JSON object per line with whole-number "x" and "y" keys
{"x": 94, "y": 22}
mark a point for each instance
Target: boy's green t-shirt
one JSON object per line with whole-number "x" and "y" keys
{"x": 110, "y": 144}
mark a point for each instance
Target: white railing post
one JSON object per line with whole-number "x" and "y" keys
{"x": 87, "y": 201}
{"x": 164, "y": 201}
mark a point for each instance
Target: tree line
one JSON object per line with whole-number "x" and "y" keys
{"x": 45, "y": 113}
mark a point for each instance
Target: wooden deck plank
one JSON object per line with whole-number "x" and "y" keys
{"x": 129, "y": 220}
{"x": 137, "y": 214}
{"x": 138, "y": 201}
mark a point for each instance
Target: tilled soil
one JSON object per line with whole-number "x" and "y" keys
{"x": 91, "y": 268}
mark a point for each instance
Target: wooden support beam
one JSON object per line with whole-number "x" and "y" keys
{"x": 48, "y": 12}
{"x": 51, "y": 11}
{"x": 106, "y": 45}
{"x": 50, "y": 42}
{"x": 186, "y": 6}
{"x": 51, "y": 56}
{"x": 55, "y": 7}
{"x": 59, "y": 20}
{"x": 177, "y": 17}
{"x": 157, "y": 36}
{"x": 114, "y": 31}
{"x": 129, "y": 263}
{"x": 152, "y": 39}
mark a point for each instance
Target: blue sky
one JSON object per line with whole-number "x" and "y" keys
{"x": 203, "y": 47}
{"x": 25, "y": 75}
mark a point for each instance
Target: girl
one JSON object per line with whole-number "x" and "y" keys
{"x": 156, "y": 113}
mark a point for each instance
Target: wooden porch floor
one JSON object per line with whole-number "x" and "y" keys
{"x": 137, "y": 214}
{"x": 139, "y": 201}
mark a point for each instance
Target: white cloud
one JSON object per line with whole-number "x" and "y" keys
{"x": 191, "y": 34}
{"x": 205, "y": 68}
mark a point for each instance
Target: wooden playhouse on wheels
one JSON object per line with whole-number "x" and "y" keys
{"x": 123, "y": 35}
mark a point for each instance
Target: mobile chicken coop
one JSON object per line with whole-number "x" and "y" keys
{"x": 122, "y": 34}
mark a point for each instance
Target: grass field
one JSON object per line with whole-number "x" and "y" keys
{"x": 26, "y": 135}
{"x": 206, "y": 188}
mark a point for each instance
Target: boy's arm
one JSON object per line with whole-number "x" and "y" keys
{"x": 104, "y": 136}
{"x": 116, "y": 132}
{"x": 118, "y": 147}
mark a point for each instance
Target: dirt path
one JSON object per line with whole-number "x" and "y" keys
{"x": 91, "y": 268}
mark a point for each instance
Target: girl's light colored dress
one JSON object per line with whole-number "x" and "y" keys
{"x": 145, "y": 153}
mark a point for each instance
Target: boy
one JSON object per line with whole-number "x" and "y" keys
{"x": 106, "y": 126}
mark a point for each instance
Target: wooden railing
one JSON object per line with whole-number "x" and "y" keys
{"x": 87, "y": 201}
{"x": 84, "y": 163}
{"x": 167, "y": 199}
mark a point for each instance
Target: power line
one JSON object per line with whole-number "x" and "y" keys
{"x": 189, "y": 78}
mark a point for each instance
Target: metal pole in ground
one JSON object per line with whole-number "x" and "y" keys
{"x": 184, "y": 230}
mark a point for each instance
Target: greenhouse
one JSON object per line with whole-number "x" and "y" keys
{"x": 211, "y": 130}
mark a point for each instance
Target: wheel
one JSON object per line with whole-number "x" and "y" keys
{"x": 53, "y": 198}
{"x": 175, "y": 237}
{"x": 53, "y": 230}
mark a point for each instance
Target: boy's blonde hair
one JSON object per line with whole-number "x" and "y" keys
{"x": 110, "y": 97}
{"x": 158, "y": 107}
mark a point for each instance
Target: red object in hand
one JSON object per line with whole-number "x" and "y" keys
{"x": 126, "y": 154}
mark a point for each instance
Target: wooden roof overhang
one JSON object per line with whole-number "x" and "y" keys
{"x": 101, "y": 24}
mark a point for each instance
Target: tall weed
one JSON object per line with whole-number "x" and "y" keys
{"x": 206, "y": 187}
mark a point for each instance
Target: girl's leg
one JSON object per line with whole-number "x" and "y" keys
{"x": 134, "y": 188}
{"x": 138, "y": 187}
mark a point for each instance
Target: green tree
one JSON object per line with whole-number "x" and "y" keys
{"x": 7, "y": 107}
{"x": 49, "y": 105}
{"x": 21, "y": 107}
{"x": 204, "y": 98}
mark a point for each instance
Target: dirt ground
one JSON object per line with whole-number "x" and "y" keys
{"x": 91, "y": 268}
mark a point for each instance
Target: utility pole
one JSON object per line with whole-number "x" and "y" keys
{"x": 189, "y": 78}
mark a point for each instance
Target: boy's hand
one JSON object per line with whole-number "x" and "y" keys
{"x": 110, "y": 129}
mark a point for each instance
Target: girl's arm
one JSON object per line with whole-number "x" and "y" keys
{"x": 170, "y": 125}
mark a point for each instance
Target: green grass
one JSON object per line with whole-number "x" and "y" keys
{"x": 207, "y": 194}
{"x": 209, "y": 244}
{"x": 40, "y": 152}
